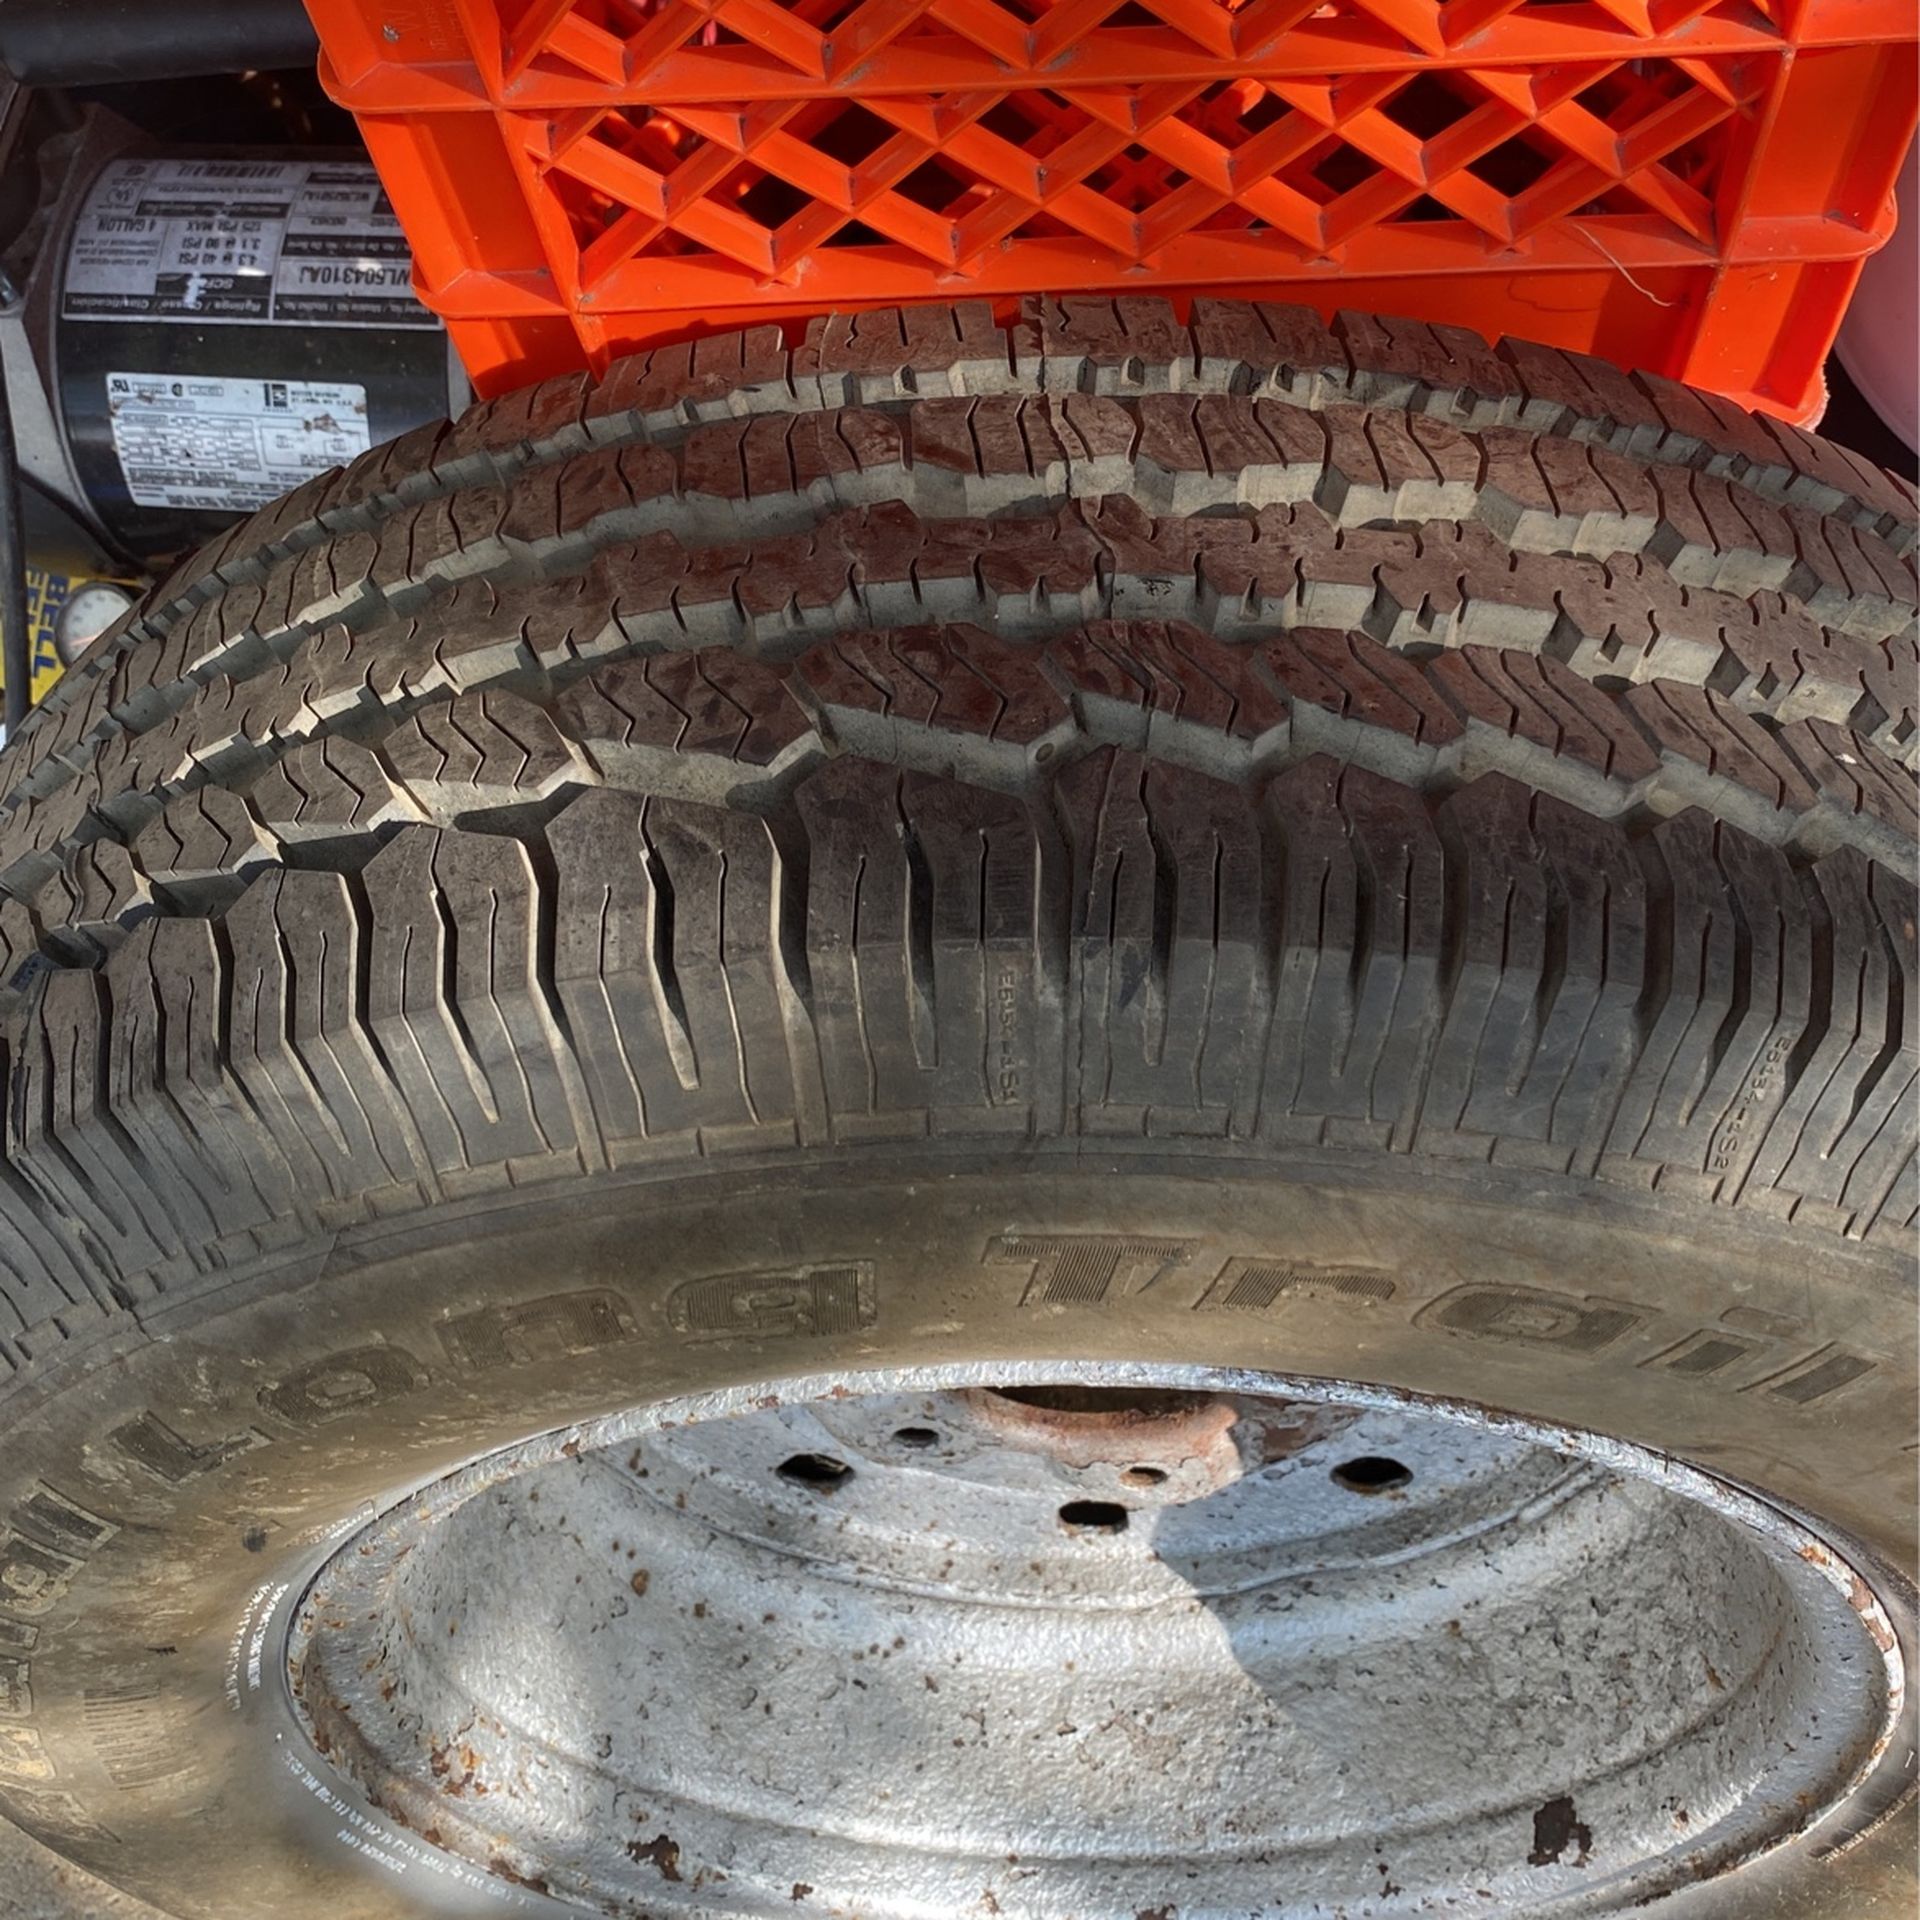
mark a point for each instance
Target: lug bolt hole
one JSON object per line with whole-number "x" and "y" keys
{"x": 1093, "y": 1516}
{"x": 818, "y": 1472}
{"x": 1145, "y": 1476}
{"x": 1372, "y": 1473}
{"x": 918, "y": 1438}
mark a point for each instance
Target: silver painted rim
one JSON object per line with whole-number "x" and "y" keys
{"x": 1141, "y": 1642}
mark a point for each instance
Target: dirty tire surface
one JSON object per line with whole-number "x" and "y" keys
{"x": 1338, "y": 753}
{"x": 38, "y": 1885}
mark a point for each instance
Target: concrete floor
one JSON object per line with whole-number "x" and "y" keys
{"x": 36, "y": 1886}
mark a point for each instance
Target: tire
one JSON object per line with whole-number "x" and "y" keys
{"x": 1342, "y": 851}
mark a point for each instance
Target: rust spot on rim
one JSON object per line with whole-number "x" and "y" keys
{"x": 504, "y": 1869}
{"x": 661, "y": 1852}
{"x": 1120, "y": 1426}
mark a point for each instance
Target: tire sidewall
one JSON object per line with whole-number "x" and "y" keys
{"x": 167, "y": 1496}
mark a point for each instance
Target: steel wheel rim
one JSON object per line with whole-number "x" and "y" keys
{"x": 1724, "y": 1677}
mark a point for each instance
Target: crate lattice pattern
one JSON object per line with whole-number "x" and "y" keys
{"x": 951, "y": 175}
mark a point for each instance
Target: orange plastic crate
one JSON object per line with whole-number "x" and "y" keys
{"x": 1687, "y": 186}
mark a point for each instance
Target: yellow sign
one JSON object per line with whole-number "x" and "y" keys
{"x": 46, "y": 595}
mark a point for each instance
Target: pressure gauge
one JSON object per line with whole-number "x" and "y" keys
{"x": 90, "y": 610}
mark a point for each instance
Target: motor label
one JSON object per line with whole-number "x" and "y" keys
{"x": 241, "y": 241}
{"x": 228, "y": 446}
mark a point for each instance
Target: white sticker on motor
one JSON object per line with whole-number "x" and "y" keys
{"x": 233, "y": 241}
{"x": 229, "y": 446}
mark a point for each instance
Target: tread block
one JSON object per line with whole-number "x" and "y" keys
{"x": 173, "y": 1091}
{"x": 1356, "y": 996}
{"x": 1538, "y": 1034}
{"x": 329, "y": 789}
{"x": 106, "y": 894}
{"x": 1441, "y": 369}
{"x": 895, "y": 353}
{"x": 717, "y": 377}
{"x": 1713, "y": 1064}
{"x": 1166, "y": 688}
{"x": 453, "y": 1000}
{"x": 207, "y": 837}
{"x": 1169, "y": 893}
{"x": 302, "y": 1049}
{"x": 1355, "y": 678}
{"x": 63, "y": 1140}
{"x": 1711, "y": 732}
{"x": 950, "y": 690}
{"x": 1263, "y": 347}
{"x": 1540, "y": 701}
{"x": 1085, "y": 343}
{"x": 922, "y": 948}
{"x": 1836, "y": 1142}
{"x": 712, "y": 703}
{"x": 1855, "y": 778}
{"x": 481, "y": 750}
{"x": 672, "y": 965}
{"x": 47, "y": 1276}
